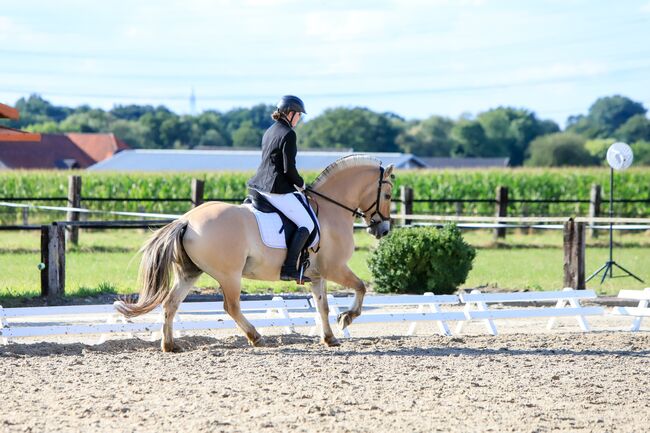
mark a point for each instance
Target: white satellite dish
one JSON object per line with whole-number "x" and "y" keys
{"x": 619, "y": 156}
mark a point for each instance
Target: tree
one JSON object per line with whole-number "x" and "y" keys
{"x": 469, "y": 139}
{"x": 210, "y": 129}
{"x": 342, "y": 128}
{"x": 636, "y": 128}
{"x": 597, "y": 148}
{"x": 605, "y": 116}
{"x": 35, "y": 110}
{"x": 559, "y": 149}
{"x": 153, "y": 122}
{"x": 427, "y": 138}
{"x": 131, "y": 112}
{"x": 49, "y": 127}
{"x": 87, "y": 120}
{"x": 213, "y": 138}
{"x": 641, "y": 151}
{"x": 613, "y": 111}
{"x": 133, "y": 133}
{"x": 259, "y": 116}
{"x": 247, "y": 136}
{"x": 509, "y": 131}
{"x": 175, "y": 131}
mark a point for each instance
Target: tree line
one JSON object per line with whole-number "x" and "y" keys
{"x": 510, "y": 132}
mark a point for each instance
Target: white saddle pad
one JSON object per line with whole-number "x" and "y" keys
{"x": 270, "y": 225}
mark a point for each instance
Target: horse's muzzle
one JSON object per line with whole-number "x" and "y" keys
{"x": 380, "y": 230}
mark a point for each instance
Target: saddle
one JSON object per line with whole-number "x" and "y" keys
{"x": 288, "y": 227}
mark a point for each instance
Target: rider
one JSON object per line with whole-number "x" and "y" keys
{"x": 277, "y": 179}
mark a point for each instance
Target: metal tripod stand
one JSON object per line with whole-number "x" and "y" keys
{"x": 609, "y": 265}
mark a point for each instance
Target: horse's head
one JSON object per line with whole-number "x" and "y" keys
{"x": 376, "y": 204}
{"x": 360, "y": 185}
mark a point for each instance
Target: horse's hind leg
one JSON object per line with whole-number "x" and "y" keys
{"x": 182, "y": 285}
{"x": 231, "y": 290}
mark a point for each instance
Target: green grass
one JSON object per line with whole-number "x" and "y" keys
{"x": 107, "y": 262}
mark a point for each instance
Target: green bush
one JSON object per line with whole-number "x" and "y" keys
{"x": 421, "y": 259}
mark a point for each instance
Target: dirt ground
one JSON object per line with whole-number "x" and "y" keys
{"x": 518, "y": 381}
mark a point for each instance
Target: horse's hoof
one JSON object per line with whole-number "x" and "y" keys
{"x": 344, "y": 320}
{"x": 257, "y": 341}
{"x": 331, "y": 341}
{"x": 167, "y": 347}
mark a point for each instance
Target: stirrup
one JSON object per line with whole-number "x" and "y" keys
{"x": 294, "y": 275}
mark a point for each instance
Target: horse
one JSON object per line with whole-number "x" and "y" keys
{"x": 223, "y": 240}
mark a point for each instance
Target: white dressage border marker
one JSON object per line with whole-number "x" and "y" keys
{"x": 640, "y": 311}
{"x": 476, "y": 307}
{"x": 102, "y": 319}
{"x": 424, "y": 302}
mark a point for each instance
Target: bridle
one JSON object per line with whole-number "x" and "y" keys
{"x": 357, "y": 212}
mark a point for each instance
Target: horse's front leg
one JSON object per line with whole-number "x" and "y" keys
{"x": 346, "y": 277}
{"x": 319, "y": 292}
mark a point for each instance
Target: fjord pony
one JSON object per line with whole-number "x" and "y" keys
{"x": 223, "y": 241}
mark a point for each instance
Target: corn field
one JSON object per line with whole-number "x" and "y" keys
{"x": 103, "y": 191}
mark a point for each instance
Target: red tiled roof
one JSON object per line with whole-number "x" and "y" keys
{"x": 98, "y": 146}
{"x": 10, "y": 134}
{"x": 7, "y": 112}
{"x": 54, "y": 149}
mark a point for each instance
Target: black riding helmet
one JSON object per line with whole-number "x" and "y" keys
{"x": 291, "y": 103}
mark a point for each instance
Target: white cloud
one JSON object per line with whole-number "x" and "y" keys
{"x": 344, "y": 25}
{"x": 557, "y": 71}
{"x": 9, "y": 29}
{"x": 439, "y": 3}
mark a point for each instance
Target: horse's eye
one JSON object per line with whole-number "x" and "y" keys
{"x": 387, "y": 196}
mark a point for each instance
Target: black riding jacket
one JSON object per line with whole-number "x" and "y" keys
{"x": 277, "y": 172}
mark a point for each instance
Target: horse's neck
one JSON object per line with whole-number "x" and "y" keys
{"x": 345, "y": 188}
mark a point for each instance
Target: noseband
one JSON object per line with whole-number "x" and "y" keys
{"x": 362, "y": 214}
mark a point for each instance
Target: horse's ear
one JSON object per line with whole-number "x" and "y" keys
{"x": 388, "y": 172}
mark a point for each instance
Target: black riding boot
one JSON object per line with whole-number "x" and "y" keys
{"x": 289, "y": 272}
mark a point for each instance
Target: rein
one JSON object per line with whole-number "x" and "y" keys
{"x": 356, "y": 212}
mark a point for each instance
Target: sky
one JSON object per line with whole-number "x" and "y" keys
{"x": 415, "y": 58}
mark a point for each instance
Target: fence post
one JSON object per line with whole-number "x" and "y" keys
{"x": 406, "y": 197}
{"x": 501, "y": 209}
{"x": 595, "y": 199}
{"x": 25, "y": 214}
{"x": 574, "y": 255}
{"x": 53, "y": 257}
{"x": 74, "y": 200}
{"x": 197, "y": 192}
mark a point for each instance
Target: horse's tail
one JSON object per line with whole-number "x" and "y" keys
{"x": 161, "y": 254}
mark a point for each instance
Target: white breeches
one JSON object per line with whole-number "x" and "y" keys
{"x": 290, "y": 205}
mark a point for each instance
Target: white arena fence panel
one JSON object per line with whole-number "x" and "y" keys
{"x": 477, "y": 307}
{"x": 104, "y": 319}
{"x": 428, "y": 309}
{"x": 638, "y": 312}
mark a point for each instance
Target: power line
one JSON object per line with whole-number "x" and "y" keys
{"x": 240, "y": 77}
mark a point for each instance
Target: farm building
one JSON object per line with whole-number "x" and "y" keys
{"x": 10, "y": 135}
{"x": 57, "y": 151}
{"x": 207, "y": 160}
